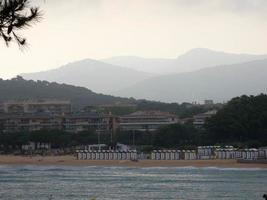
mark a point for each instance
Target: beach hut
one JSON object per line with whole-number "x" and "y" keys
{"x": 128, "y": 155}
{"x": 177, "y": 155}
{"x": 119, "y": 153}
{"x": 158, "y": 154}
{"x": 153, "y": 155}
{"x": 173, "y": 154}
{"x": 254, "y": 154}
{"x": 218, "y": 154}
{"x": 110, "y": 154}
{"x": 79, "y": 154}
{"x": 88, "y": 157}
{"x": 167, "y": 155}
{"x": 133, "y": 154}
{"x": 93, "y": 155}
{"x": 193, "y": 155}
{"x": 84, "y": 156}
{"x": 97, "y": 154}
{"x": 115, "y": 155}
{"x": 101, "y": 155}
{"x": 105, "y": 152}
{"x": 123, "y": 155}
{"x": 162, "y": 155}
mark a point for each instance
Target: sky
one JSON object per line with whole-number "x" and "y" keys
{"x": 77, "y": 29}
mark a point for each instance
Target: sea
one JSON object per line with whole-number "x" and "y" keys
{"x": 130, "y": 183}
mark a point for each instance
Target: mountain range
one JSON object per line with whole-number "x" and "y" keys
{"x": 92, "y": 74}
{"x": 192, "y": 60}
{"x": 194, "y": 76}
{"x": 217, "y": 83}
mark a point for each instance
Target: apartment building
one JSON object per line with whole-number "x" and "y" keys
{"x": 29, "y": 122}
{"x": 200, "y": 119}
{"x": 146, "y": 121}
{"x": 89, "y": 121}
{"x": 38, "y": 106}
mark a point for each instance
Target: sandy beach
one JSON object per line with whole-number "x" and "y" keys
{"x": 71, "y": 161}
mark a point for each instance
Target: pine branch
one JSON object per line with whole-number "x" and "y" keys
{"x": 14, "y": 16}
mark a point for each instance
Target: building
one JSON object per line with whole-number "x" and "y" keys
{"x": 200, "y": 119}
{"x": 208, "y": 102}
{"x": 38, "y": 106}
{"x": 46, "y": 121}
{"x": 146, "y": 121}
{"x": 29, "y": 122}
{"x": 89, "y": 121}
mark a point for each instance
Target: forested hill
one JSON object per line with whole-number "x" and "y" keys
{"x": 243, "y": 120}
{"x": 80, "y": 97}
{"x": 20, "y": 89}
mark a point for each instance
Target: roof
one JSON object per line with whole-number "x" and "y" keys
{"x": 150, "y": 114}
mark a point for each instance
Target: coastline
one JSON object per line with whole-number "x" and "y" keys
{"x": 69, "y": 160}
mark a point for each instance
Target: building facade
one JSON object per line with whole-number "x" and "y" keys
{"x": 40, "y": 106}
{"x": 70, "y": 123}
{"x": 200, "y": 119}
{"x": 146, "y": 121}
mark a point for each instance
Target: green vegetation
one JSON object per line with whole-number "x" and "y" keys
{"x": 242, "y": 121}
{"x": 20, "y": 89}
{"x": 58, "y": 139}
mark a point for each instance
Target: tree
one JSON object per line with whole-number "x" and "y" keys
{"x": 14, "y": 16}
{"x": 242, "y": 120}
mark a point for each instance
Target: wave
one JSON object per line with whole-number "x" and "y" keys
{"x": 234, "y": 169}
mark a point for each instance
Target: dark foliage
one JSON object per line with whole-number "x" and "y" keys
{"x": 14, "y": 16}
{"x": 20, "y": 89}
{"x": 58, "y": 139}
{"x": 242, "y": 121}
{"x": 176, "y": 136}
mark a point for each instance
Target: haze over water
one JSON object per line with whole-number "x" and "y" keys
{"x": 104, "y": 183}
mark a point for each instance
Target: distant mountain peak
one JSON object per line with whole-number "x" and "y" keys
{"x": 92, "y": 74}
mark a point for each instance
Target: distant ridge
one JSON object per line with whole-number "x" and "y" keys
{"x": 192, "y": 60}
{"x": 217, "y": 83}
{"x": 92, "y": 74}
{"x": 164, "y": 78}
{"x": 20, "y": 89}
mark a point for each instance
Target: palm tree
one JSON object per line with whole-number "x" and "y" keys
{"x": 14, "y": 16}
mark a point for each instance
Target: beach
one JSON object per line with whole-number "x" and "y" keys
{"x": 70, "y": 160}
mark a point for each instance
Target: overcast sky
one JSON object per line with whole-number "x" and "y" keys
{"x": 77, "y": 29}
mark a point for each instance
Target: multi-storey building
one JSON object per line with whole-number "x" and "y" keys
{"x": 146, "y": 121}
{"x": 44, "y": 121}
{"x": 200, "y": 119}
{"x": 29, "y": 122}
{"x": 89, "y": 121}
{"x": 40, "y": 106}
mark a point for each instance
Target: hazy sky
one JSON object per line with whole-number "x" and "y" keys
{"x": 77, "y": 29}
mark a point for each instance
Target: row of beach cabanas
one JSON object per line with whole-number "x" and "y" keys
{"x": 202, "y": 153}
{"x": 173, "y": 155}
{"x": 106, "y": 155}
{"x": 245, "y": 154}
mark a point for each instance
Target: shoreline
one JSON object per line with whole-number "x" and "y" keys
{"x": 72, "y": 161}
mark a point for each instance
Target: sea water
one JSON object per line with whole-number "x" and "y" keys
{"x": 65, "y": 183}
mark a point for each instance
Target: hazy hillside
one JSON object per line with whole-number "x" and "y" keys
{"x": 95, "y": 75}
{"x": 218, "y": 83}
{"x": 192, "y": 60}
{"x": 20, "y": 89}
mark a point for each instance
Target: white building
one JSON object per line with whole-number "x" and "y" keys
{"x": 146, "y": 121}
